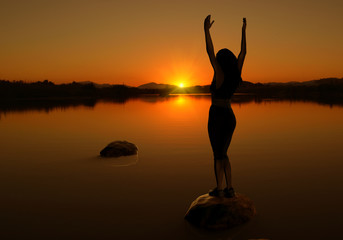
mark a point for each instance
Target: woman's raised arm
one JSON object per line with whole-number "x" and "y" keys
{"x": 209, "y": 44}
{"x": 210, "y": 51}
{"x": 243, "y": 52}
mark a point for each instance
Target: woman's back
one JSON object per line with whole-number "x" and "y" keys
{"x": 227, "y": 88}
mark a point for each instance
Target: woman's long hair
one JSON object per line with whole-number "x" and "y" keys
{"x": 228, "y": 63}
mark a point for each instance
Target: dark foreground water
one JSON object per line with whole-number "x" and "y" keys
{"x": 286, "y": 156}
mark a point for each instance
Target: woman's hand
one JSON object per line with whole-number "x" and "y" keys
{"x": 244, "y": 24}
{"x": 208, "y": 23}
{"x": 243, "y": 52}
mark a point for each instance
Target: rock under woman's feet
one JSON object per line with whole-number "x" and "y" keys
{"x": 220, "y": 212}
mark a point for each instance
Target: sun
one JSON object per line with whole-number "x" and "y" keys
{"x": 181, "y": 85}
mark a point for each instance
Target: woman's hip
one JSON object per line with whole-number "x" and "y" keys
{"x": 220, "y": 116}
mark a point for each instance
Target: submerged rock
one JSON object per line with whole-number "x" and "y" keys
{"x": 118, "y": 149}
{"x": 219, "y": 212}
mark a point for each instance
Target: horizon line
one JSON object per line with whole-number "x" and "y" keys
{"x": 28, "y": 81}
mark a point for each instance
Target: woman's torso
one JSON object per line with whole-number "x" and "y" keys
{"x": 221, "y": 96}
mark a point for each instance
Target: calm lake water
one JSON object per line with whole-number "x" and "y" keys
{"x": 286, "y": 156}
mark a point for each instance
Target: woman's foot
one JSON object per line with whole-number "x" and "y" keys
{"x": 229, "y": 192}
{"x": 216, "y": 193}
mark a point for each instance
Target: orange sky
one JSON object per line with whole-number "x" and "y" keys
{"x": 135, "y": 42}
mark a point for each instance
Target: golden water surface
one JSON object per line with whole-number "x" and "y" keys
{"x": 286, "y": 156}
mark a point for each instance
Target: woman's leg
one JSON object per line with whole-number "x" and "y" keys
{"x": 227, "y": 170}
{"x": 220, "y": 128}
{"x": 219, "y": 172}
{"x": 226, "y": 163}
{"x": 215, "y": 135}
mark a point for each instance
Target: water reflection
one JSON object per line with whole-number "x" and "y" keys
{"x": 124, "y": 161}
{"x": 48, "y": 105}
{"x": 286, "y": 156}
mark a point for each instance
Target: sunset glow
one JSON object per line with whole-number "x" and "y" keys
{"x": 171, "y": 119}
{"x": 136, "y": 42}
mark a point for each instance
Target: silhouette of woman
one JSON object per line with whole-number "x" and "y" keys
{"x": 222, "y": 121}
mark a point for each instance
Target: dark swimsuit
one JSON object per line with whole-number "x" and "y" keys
{"x": 222, "y": 120}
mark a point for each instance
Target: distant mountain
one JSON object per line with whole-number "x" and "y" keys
{"x": 97, "y": 85}
{"x": 323, "y": 81}
{"x": 154, "y": 85}
{"x": 326, "y": 91}
{"x": 245, "y": 84}
{"x": 85, "y": 82}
